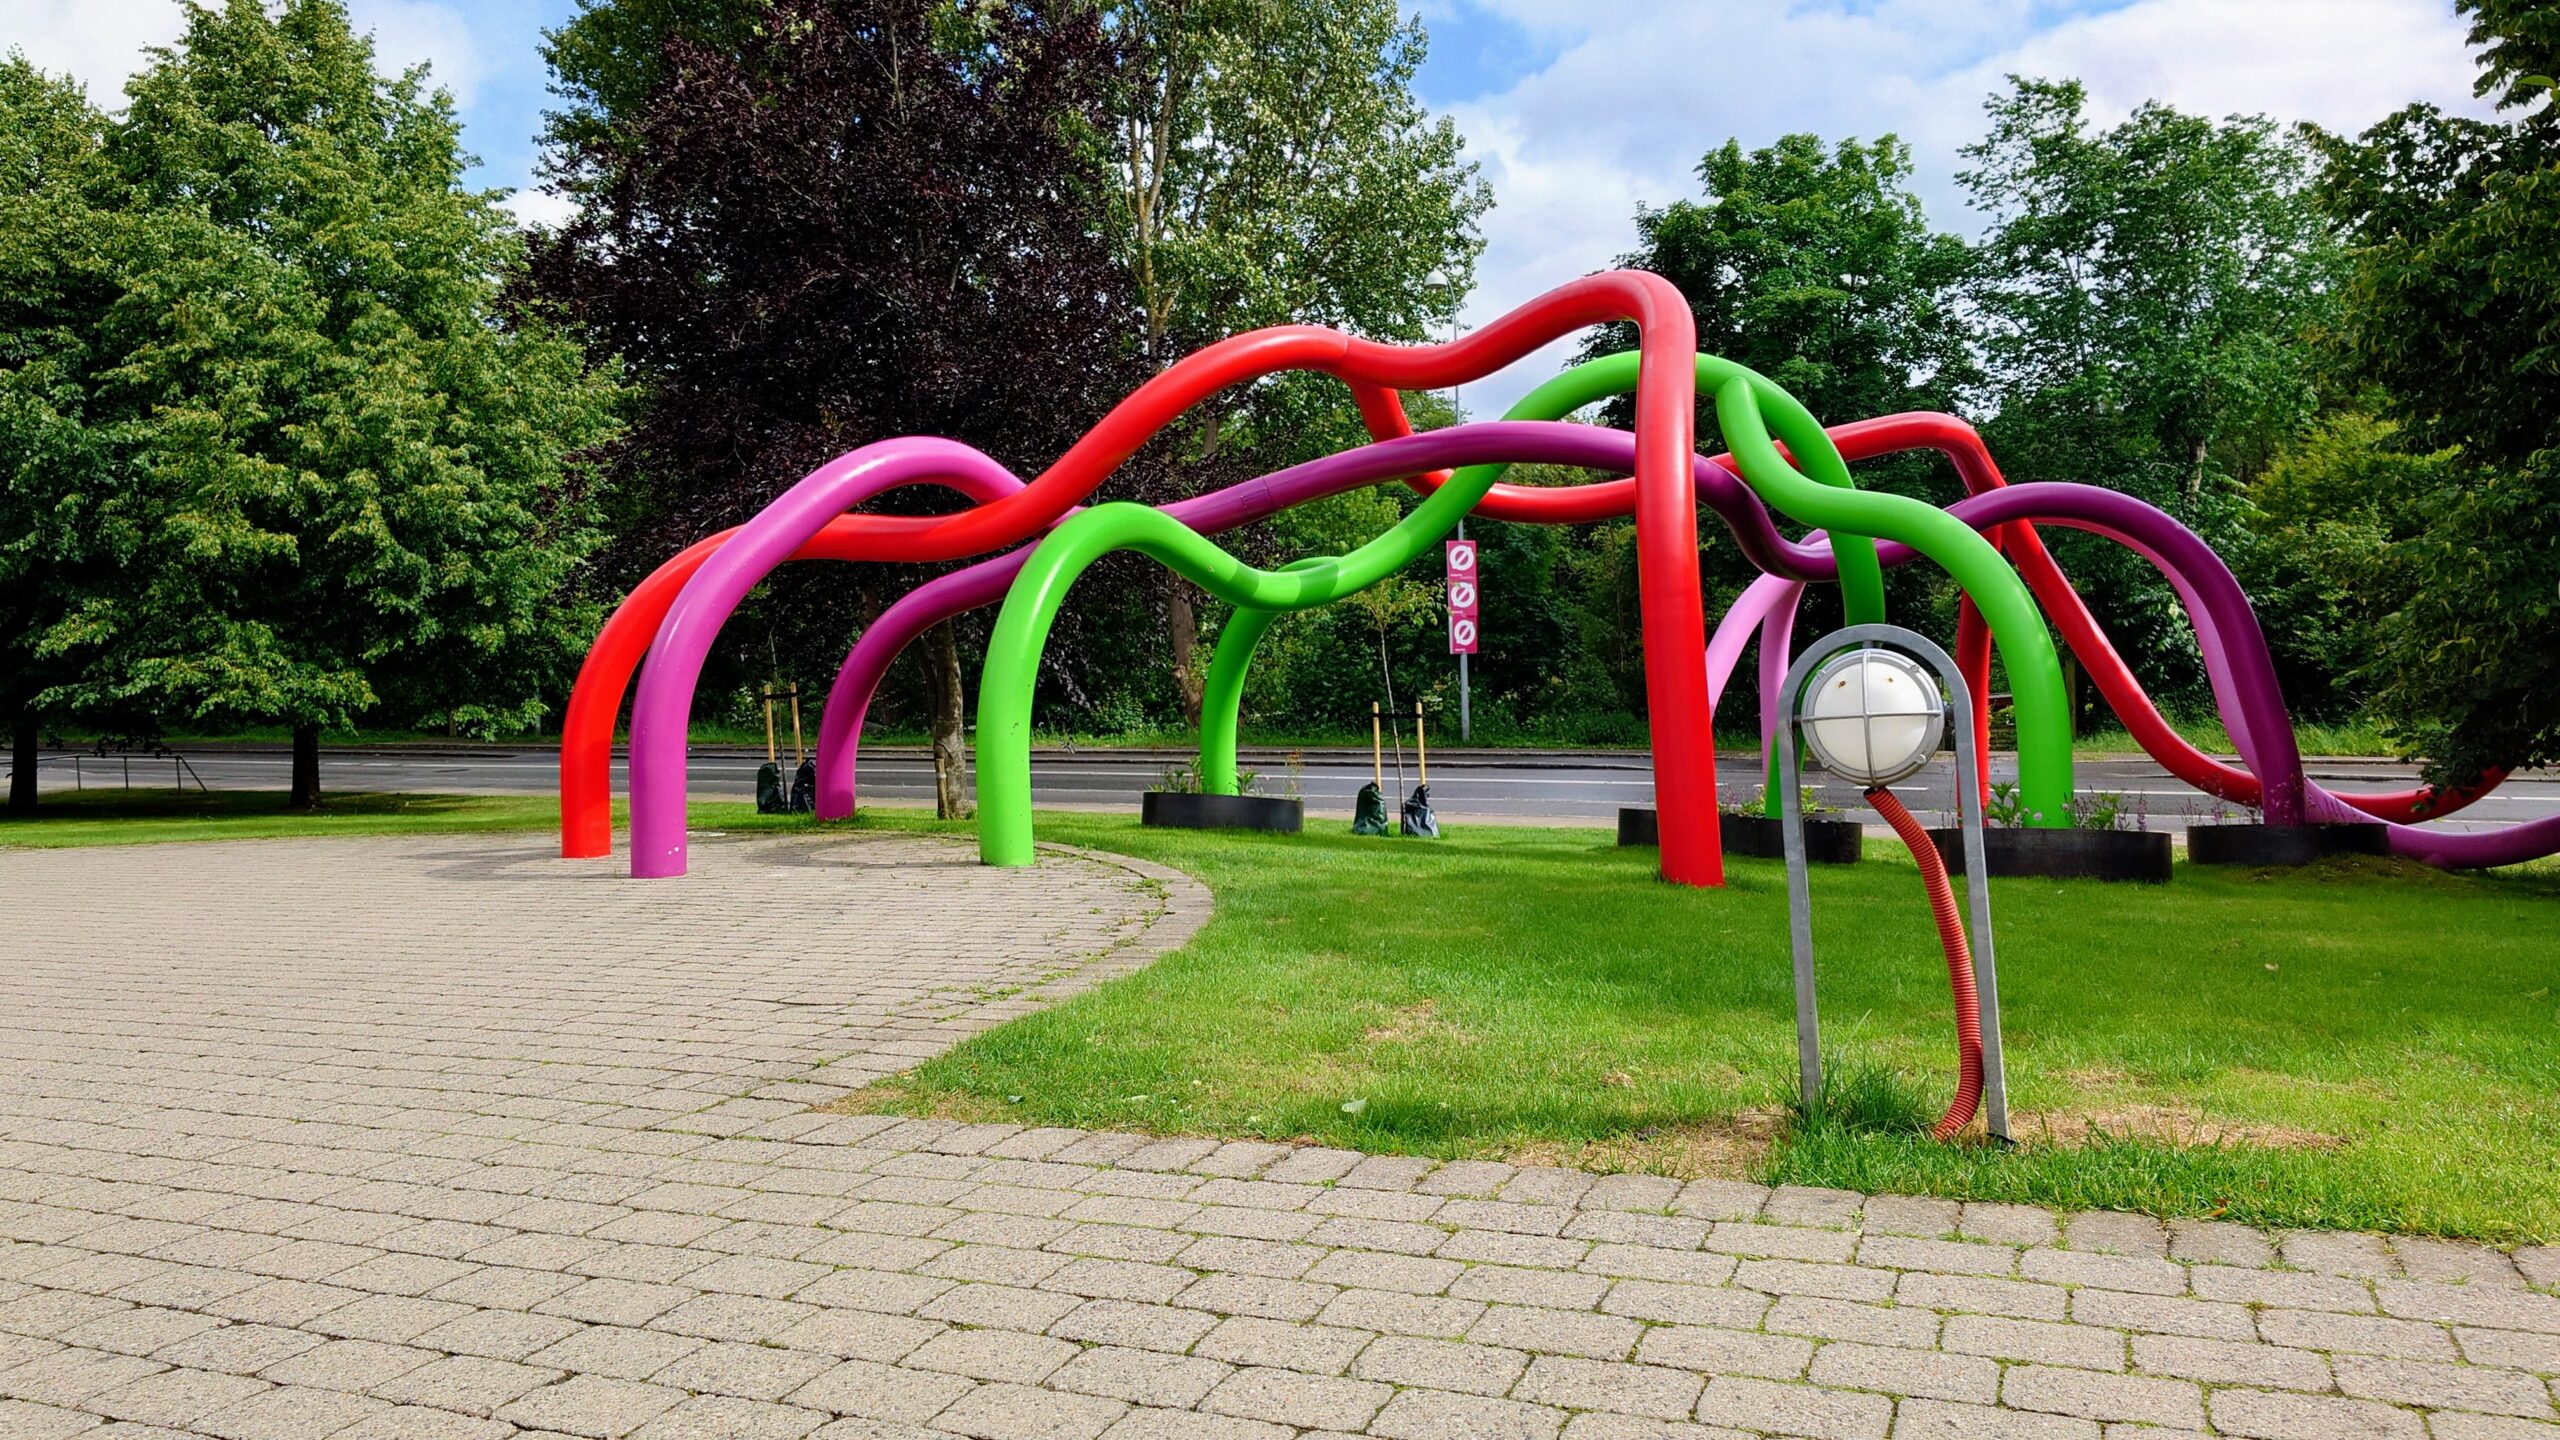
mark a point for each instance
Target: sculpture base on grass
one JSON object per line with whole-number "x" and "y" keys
{"x": 1826, "y": 842}
{"x": 1185, "y": 810}
{"x": 2139, "y": 855}
{"x": 2283, "y": 844}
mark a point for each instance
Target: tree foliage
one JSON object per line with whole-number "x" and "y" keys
{"x": 321, "y": 473}
{"x": 2453, "y": 315}
{"x": 2146, "y": 296}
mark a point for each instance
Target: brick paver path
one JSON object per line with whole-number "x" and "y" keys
{"x": 437, "y": 1138}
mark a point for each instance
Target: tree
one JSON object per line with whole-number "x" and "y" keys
{"x": 865, "y": 218}
{"x": 2450, "y": 314}
{"x": 57, "y": 274}
{"x": 334, "y": 474}
{"x": 1271, "y": 165}
{"x": 2146, "y": 293}
{"x": 1819, "y": 270}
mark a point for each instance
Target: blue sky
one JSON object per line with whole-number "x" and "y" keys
{"x": 1581, "y": 110}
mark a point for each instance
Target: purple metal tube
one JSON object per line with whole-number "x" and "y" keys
{"x": 2237, "y": 654}
{"x": 662, "y": 711}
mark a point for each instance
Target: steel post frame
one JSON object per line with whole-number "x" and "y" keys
{"x": 1970, "y": 763}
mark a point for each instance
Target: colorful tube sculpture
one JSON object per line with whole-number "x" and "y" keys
{"x": 1670, "y": 601}
{"x": 1783, "y": 460}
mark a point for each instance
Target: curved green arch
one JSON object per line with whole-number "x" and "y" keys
{"x": 1607, "y": 378}
{"x": 1031, "y": 606}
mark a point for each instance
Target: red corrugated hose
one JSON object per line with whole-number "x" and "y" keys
{"x": 1942, "y": 904}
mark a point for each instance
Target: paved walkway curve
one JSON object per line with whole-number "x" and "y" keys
{"x": 445, "y": 1138}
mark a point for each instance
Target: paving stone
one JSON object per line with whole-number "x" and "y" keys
{"x": 2361, "y": 1334}
{"x": 468, "y": 1383}
{"x": 882, "y": 1392}
{"x": 991, "y": 1355}
{"x": 1725, "y": 1352}
{"x": 2330, "y": 1252}
{"x": 2094, "y": 1396}
{"x": 2272, "y": 1415}
{"x": 1897, "y": 1371}
{"x": 173, "y": 1398}
{"x": 2514, "y": 1349}
{"x": 2083, "y": 1347}
{"x": 1286, "y": 1397}
{"x": 1428, "y": 1315}
{"x": 1019, "y": 1412}
{"x": 1940, "y": 1420}
{"x": 2225, "y": 1362}
{"x": 1274, "y": 1344}
{"x": 725, "y": 1417}
{"x": 454, "y": 1176}
{"x": 1805, "y": 1410}
{"x": 1849, "y": 1320}
{"x": 1431, "y": 1415}
{"x": 1440, "y": 1365}
{"x": 1556, "y": 1332}
{"x": 2449, "y": 1387}
{"x": 1654, "y": 1390}
{"x": 1944, "y": 1257}
{"x": 1141, "y": 1377}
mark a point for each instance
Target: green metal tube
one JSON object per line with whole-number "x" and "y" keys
{"x": 1823, "y": 495}
{"x": 1222, "y": 698}
{"x": 2017, "y": 627}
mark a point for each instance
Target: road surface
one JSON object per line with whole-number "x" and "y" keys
{"x": 1566, "y": 787}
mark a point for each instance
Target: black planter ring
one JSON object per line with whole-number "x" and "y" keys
{"x": 2282, "y": 844}
{"x": 2136, "y": 855}
{"x": 1188, "y": 810}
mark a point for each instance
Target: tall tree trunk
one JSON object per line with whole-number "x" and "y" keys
{"x": 950, "y": 751}
{"x": 1182, "y": 623}
{"x": 22, "y": 763}
{"x": 306, "y": 768}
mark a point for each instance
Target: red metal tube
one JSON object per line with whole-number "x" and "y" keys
{"x": 1942, "y": 905}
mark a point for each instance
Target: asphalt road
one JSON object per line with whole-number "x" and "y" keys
{"x": 1569, "y": 787}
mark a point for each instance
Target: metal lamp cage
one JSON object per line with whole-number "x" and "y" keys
{"x": 1916, "y": 656}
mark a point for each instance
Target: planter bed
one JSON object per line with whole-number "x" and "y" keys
{"x": 2141, "y": 855}
{"x": 1826, "y": 842}
{"x": 1184, "y": 810}
{"x": 2282, "y": 844}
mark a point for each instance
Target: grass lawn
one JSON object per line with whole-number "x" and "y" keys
{"x": 2371, "y": 1045}
{"x": 2367, "y": 1045}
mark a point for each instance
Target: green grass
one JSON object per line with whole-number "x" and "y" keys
{"x": 2355, "y": 737}
{"x": 145, "y": 817}
{"x": 2375, "y": 1044}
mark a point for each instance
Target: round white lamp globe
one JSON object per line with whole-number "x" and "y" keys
{"x": 1872, "y": 716}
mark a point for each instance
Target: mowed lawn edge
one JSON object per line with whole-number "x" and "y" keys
{"x": 2360, "y": 1045}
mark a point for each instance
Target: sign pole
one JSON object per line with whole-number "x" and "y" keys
{"x": 1465, "y": 594}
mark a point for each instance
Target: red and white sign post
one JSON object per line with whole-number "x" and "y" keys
{"x": 1463, "y": 597}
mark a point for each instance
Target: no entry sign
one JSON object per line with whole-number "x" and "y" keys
{"x": 1464, "y": 597}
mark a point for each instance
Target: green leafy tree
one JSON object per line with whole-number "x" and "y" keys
{"x": 58, "y": 248}
{"x": 1271, "y": 166}
{"x": 2145, "y": 293}
{"x": 338, "y": 476}
{"x": 2451, "y": 315}
{"x": 1818, "y": 269}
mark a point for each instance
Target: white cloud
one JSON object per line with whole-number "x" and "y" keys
{"x": 101, "y": 42}
{"x": 96, "y": 42}
{"x": 1640, "y": 89}
{"x": 534, "y": 206}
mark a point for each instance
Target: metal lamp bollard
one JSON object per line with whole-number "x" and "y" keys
{"x": 1877, "y": 746}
